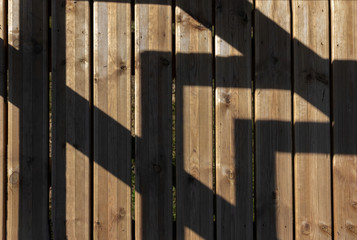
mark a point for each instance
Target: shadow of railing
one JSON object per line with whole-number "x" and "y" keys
{"x": 153, "y": 190}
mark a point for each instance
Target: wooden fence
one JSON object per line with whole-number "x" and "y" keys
{"x": 223, "y": 119}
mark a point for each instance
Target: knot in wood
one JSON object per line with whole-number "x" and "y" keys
{"x": 16, "y": 43}
{"x": 231, "y": 175}
{"x": 305, "y": 228}
{"x": 122, "y": 212}
{"x": 14, "y": 178}
{"x": 156, "y": 167}
{"x": 164, "y": 61}
{"x": 351, "y": 228}
{"x": 243, "y": 16}
{"x": 326, "y": 229}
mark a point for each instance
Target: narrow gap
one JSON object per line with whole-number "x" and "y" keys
{"x": 6, "y": 63}
{"x": 132, "y": 116}
{"x": 91, "y": 99}
{"x": 253, "y": 120}
{"x": 332, "y": 149}
{"x": 50, "y": 156}
{"x": 49, "y": 57}
{"x": 214, "y": 120}
{"x": 292, "y": 114}
{"x": 173, "y": 112}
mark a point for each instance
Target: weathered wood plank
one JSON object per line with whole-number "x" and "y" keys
{"x": 112, "y": 138}
{"x": 153, "y": 126}
{"x": 233, "y": 119}
{"x": 3, "y": 115}
{"x": 71, "y": 120}
{"x": 28, "y": 120}
{"x": 274, "y": 185}
{"x": 344, "y": 69}
{"x": 194, "y": 119}
{"x": 312, "y": 108}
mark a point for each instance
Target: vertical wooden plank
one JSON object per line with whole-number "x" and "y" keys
{"x": 3, "y": 115}
{"x": 153, "y": 67}
{"x": 344, "y": 70}
{"x": 194, "y": 119}
{"x": 274, "y": 185}
{"x": 28, "y": 120}
{"x": 233, "y": 119}
{"x": 112, "y": 138}
{"x": 312, "y": 119}
{"x": 71, "y": 119}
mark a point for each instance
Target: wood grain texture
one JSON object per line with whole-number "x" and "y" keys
{"x": 274, "y": 185}
{"x": 112, "y": 138}
{"x": 71, "y": 120}
{"x": 194, "y": 119}
{"x": 312, "y": 119}
{"x": 3, "y": 115}
{"x": 28, "y": 120}
{"x": 153, "y": 120}
{"x": 344, "y": 70}
{"x": 233, "y": 119}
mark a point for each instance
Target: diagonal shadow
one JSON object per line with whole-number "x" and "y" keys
{"x": 27, "y": 88}
{"x": 271, "y": 128}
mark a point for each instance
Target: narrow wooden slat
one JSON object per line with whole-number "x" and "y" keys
{"x": 344, "y": 69}
{"x": 153, "y": 67}
{"x": 194, "y": 119}
{"x": 274, "y": 185}
{"x": 312, "y": 119}
{"x": 28, "y": 120}
{"x": 112, "y": 138}
{"x": 233, "y": 120}
{"x": 3, "y": 116}
{"x": 71, "y": 120}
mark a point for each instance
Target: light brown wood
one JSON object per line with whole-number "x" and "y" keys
{"x": 233, "y": 120}
{"x": 194, "y": 119}
{"x": 344, "y": 69}
{"x": 71, "y": 120}
{"x": 112, "y": 137}
{"x": 312, "y": 119}
{"x": 28, "y": 120}
{"x": 273, "y": 174}
{"x": 3, "y": 116}
{"x": 153, "y": 126}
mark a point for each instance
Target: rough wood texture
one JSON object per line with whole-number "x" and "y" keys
{"x": 312, "y": 119}
{"x": 112, "y": 138}
{"x": 344, "y": 69}
{"x": 3, "y": 115}
{"x": 28, "y": 120}
{"x": 233, "y": 120}
{"x": 274, "y": 185}
{"x": 71, "y": 120}
{"x": 194, "y": 119}
{"x": 153, "y": 126}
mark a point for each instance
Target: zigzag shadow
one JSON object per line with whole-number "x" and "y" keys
{"x": 279, "y": 76}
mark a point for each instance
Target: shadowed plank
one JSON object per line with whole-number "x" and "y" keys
{"x": 344, "y": 69}
{"x": 194, "y": 119}
{"x": 112, "y": 139}
{"x": 233, "y": 138}
{"x": 274, "y": 186}
{"x": 153, "y": 126}
{"x": 311, "y": 85}
{"x": 28, "y": 120}
{"x": 71, "y": 120}
{"x": 3, "y": 116}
